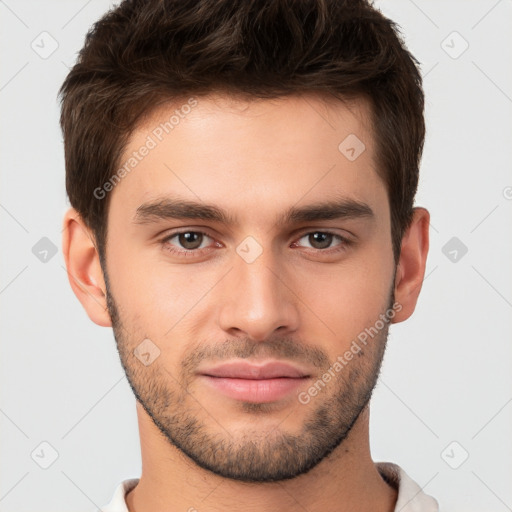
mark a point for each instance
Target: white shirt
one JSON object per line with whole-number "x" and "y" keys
{"x": 410, "y": 496}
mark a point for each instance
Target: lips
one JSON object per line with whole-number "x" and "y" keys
{"x": 263, "y": 383}
{"x": 245, "y": 370}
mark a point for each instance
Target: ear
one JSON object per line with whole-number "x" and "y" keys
{"x": 411, "y": 266}
{"x": 83, "y": 267}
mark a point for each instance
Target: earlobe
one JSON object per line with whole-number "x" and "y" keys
{"x": 83, "y": 267}
{"x": 411, "y": 266}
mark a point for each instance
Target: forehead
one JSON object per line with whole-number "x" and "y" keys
{"x": 305, "y": 117}
{"x": 266, "y": 153}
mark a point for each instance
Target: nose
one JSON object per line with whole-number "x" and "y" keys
{"x": 258, "y": 299}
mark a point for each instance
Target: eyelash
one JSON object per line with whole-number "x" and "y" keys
{"x": 345, "y": 243}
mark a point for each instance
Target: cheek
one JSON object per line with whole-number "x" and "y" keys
{"x": 156, "y": 299}
{"x": 345, "y": 299}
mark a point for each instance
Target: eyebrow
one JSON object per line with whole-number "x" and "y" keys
{"x": 167, "y": 208}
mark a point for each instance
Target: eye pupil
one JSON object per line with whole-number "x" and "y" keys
{"x": 189, "y": 239}
{"x": 324, "y": 239}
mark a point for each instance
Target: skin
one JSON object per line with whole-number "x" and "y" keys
{"x": 295, "y": 302}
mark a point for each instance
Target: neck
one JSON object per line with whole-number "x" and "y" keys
{"x": 345, "y": 480}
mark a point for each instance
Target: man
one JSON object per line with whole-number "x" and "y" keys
{"x": 242, "y": 178}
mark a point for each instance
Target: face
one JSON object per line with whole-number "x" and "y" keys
{"x": 234, "y": 316}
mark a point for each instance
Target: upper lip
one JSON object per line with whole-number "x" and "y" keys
{"x": 246, "y": 370}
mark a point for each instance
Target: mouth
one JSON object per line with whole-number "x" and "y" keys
{"x": 248, "y": 382}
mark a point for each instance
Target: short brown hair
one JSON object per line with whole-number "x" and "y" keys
{"x": 145, "y": 52}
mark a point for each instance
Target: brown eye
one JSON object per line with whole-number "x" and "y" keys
{"x": 186, "y": 243}
{"x": 320, "y": 240}
{"x": 190, "y": 239}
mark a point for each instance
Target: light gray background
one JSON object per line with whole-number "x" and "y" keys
{"x": 446, "y": 376}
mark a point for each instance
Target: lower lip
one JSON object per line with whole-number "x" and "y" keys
{"x": 255, "y": 390}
